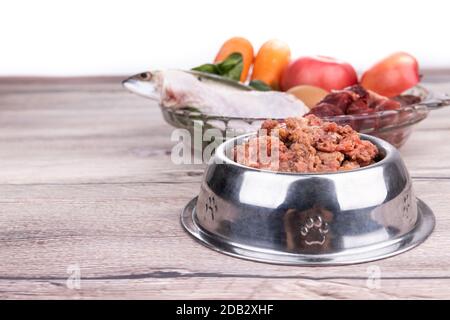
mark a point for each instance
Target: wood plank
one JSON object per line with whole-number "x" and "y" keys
{"x": 71, "y": 137}
{"x": 131, "y": 232}
{"x": 103, "y": 136}
{"x": 86, "y": 179}
{"x": 205, "y": 287}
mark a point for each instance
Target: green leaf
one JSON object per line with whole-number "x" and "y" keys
{"x": 230, "y": 68}
{"x": 208, "y": 68}
{"x": 259, "y": 85}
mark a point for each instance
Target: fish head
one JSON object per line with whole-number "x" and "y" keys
{"x": 143, "y": 84}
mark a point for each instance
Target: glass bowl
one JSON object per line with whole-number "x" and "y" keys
{"x": 394, "y": 126}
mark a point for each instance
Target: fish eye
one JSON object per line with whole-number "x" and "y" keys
{"x": 144, "y": 75}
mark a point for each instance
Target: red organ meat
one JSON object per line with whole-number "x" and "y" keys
{"x": 353, "y": 100}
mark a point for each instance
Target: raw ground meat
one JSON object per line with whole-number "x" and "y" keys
{"x": 305, "y": 144}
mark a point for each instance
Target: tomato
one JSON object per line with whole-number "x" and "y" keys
{"x": 392, "y": 75}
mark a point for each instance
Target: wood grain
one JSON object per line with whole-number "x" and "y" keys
{"x": 86, "y": 179}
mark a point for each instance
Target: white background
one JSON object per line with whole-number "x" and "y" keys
{"x": 121, "y": 37}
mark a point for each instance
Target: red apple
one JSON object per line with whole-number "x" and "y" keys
{"x": 392, "y": 75}
{"x": 324, "y": 72}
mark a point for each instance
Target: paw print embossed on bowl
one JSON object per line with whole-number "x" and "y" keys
{"x": 314, "y": 231}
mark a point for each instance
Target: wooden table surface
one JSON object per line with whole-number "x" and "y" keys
{"x": 87, "y": 185}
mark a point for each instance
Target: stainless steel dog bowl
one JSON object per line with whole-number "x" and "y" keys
{"x": 308, "y": 219}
